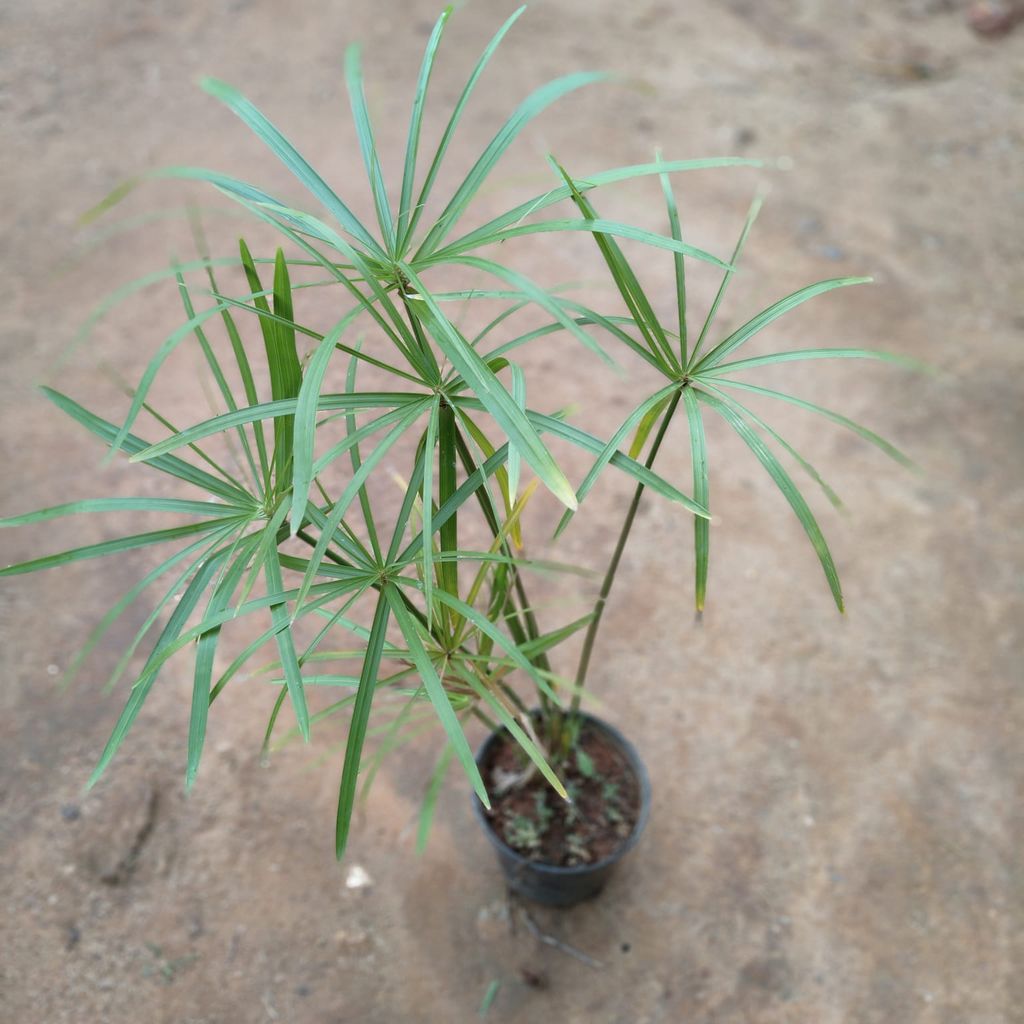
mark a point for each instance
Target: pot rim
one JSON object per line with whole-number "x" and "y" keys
{"x": 636, "y": 766}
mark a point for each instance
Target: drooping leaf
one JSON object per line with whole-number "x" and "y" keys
{"x": 436, "y": 692}
{"x": 785, "y": 484}
{"x": 699, "y": 456}
{"x": 357, "y": 727}
{"x": 286, "y": 642}
{"x": 206, "y": 649}
{"x": 189, "y": 599}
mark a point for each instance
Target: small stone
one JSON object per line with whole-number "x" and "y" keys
{"x": 833, "y": 252}
{"x": 492, "y": 922}
{"x": 70, "y": 812}
{"x": 358, "y": 878}
{"x": 993, "y": 18}
{"x": 352, "y": 940}
{"x": 52, "y": 670}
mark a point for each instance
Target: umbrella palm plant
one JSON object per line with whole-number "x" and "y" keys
{"x": 281, "y": 531}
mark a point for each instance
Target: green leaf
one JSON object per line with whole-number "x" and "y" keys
{"x": 436, "y": 692}
{"x": 152, "y": 369}
{"x": 606, "y": 453}
{"x": 244, "y": 370}
{"x": 351, "y": 490}
{"x": 524, "y": 113}
{"x": 482, "y": 442}
{"x": 869, "y": 435}
{"x": 326, "y": 595}
{"x": 492, "y": 394}
{"x": 361, "y": 116}
{"x": 282, "y": 357}
{"x": 355, "y": 436}
{"x": 206, "y": 648}
{"x": 118, "y": 295}
{"x": 112, "y": 547}
{"x": 646, "y": 425}
{"x": 306, "y": 409}
{"x": 270, "y": 410}
{"x": 593, "y": 225}
{"x": 189, "y": 599}
{"x": 128, "y": 598}
{"x": 639, "y": 472}
{"x": 286, "y": 642}
{"x": 429, "y": 443}
{"x": 628, "y": 285}
{"x": 206, "y": 509}
{"x": 518, "y": 734}
{"x": 755, "y": 209}
{"x": 357, "y": 728}
{"x": 589, "y": 316}
{"x": 780, "y": 440}
{"x": 514, "y": 460}
{"x": 699, "y": 455}
{"x": 357, "y": 460}
{"x": 415, "y": 124}
{"x": 442, "y": 147}
{"x": 585, "y": 763}
{"x": 447, "y": 485}
{"x": 215, "y": 369}
{"x": 430, "y": 796}
{"x": 538, "y": 295}
{"x": 813, "y": 353}
{"x": 412, "y": 491}
{"x": 547, "y": 641}
{"x": 211, "y": 545}
{"x": 488, "y": 628}
{"x": 372, "y": 276}
{"x": 481, "y": 235}
{"x": 680, "y": 269}
{"x": 786, "y": 485}
{"x": 767, "y": 316}
{"x": 289, "y": 156}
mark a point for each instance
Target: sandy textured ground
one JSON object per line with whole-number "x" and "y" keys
{"x": 836, "y": 829}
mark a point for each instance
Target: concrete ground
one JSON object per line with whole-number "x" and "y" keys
{"x": 836, "y": 826}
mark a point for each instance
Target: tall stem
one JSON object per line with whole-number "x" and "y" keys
{"x": 613, "y": 565}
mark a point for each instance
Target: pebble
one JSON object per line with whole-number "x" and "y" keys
{"x": 352, "y": 940}
{"x": 492, "y": 921}
{"x": 358, "y": 878}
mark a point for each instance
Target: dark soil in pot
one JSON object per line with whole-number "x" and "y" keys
{"x": 539, "y": 825}
{"x": 561, "y": 853}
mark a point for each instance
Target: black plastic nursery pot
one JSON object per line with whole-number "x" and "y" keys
{"x": 555, "y": 885}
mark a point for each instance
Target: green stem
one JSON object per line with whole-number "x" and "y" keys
{"x": 613, "y": 565}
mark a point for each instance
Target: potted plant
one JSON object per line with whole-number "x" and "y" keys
{"x": 292, "y": 515}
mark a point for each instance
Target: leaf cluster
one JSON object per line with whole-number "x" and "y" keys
{"x": 273, "y": 532}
